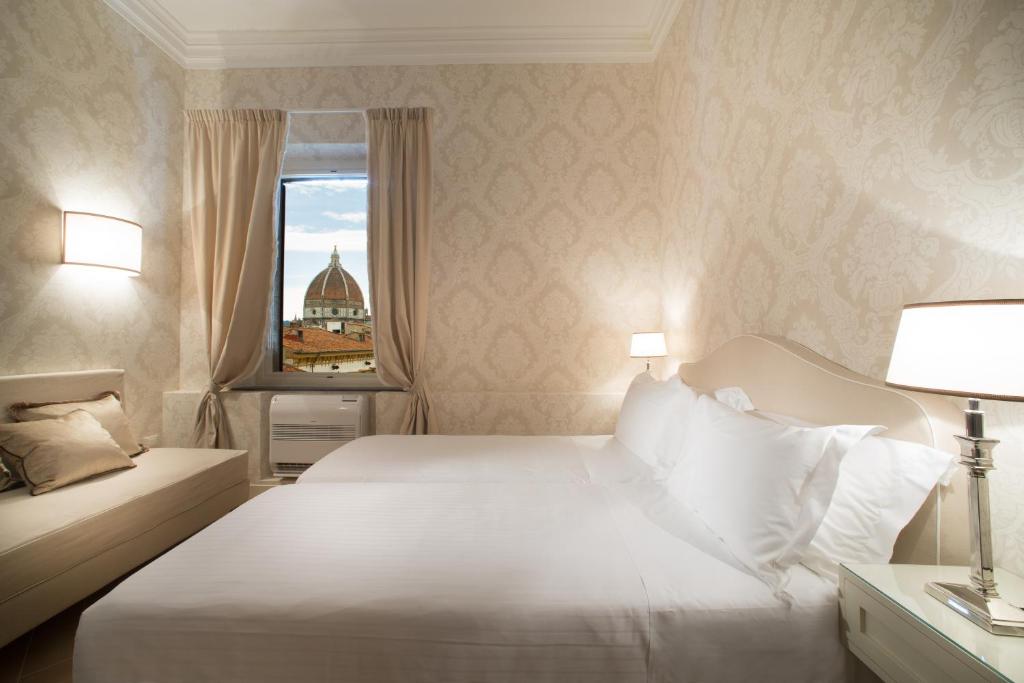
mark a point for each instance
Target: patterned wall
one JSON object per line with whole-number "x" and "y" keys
{"x": 823, "y": 163}
{"x": 545, "y": 254}
{"x": 798, "y": 168}
{"x": 90, "y": 120}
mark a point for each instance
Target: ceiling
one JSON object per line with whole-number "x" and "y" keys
{"x": 213, "y": 34}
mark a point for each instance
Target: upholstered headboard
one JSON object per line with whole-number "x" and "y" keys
{"x": 783, "y": 377}
{"x": 57, "y": 386}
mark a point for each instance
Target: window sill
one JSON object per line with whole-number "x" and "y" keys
{"x": 280, "y": 381}
{"x": 325, "y": 386}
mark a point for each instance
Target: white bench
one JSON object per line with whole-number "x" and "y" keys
{"x": 61, "y": 546}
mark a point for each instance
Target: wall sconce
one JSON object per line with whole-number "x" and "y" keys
{"x": 91, "y": 239}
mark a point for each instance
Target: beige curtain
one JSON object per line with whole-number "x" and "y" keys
{"x": 232, "y": 166}
{"x": 398, "y": 227}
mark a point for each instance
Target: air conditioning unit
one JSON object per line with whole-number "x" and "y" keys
{"x": 305, "y": 428}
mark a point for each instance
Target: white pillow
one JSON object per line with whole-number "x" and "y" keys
{"x": 653, "y": 418}
{"x": 735, "y": 398}
{"x": 882, "y": 484}
{"x": 763, "y": 488}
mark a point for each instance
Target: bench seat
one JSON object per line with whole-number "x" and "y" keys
{"x": 59, "y": 547}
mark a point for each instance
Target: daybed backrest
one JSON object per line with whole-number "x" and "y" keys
{"x": 783, "y": 377}
{"x": 57, "y": 386}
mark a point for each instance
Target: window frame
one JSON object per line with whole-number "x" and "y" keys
{"x": 267, "y": 375}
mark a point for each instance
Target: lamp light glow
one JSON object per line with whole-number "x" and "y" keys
{"x": 961, "y": 348}
{"x": 91, "y": 239}
{"x": 647, "y": 345}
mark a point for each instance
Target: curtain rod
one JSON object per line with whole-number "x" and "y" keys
{"x": 326, "y": 111}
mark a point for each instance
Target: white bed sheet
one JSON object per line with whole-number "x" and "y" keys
{"x": 437, "y": 458}
{"x": 456, "y": 582}
{"x": 711, "y": 620}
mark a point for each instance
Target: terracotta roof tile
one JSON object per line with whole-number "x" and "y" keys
{"x": 316, "y": 340}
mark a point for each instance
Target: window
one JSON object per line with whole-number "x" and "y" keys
{"x": 323, "y": 327}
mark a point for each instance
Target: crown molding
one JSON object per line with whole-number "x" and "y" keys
{"x": 363, "y": 47}
{"x": 662, "y": 20}
{"x": 154, "y": 22}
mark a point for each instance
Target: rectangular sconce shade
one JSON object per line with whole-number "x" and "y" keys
{"x": 962, "y": 348}
{"x": 94, "y": 240}
{"x": 647, "y": 345}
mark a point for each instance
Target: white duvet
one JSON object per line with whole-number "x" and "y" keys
{"x": 435, "y": 458}
{"x": 382, "y": 582}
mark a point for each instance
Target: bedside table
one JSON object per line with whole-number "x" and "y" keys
{"x": 903, "y": 634}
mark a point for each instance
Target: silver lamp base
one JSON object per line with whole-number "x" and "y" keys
{"x": 980, "y": 601}
{"x": 995, "y": 615}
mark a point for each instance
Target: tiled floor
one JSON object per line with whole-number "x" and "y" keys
{"x": 43, "y": 655}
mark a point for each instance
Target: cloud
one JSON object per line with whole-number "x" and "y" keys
{"x": 328, "y": 185}
{"x": 290, "y": 228}
{"x": 291, "y": 302}
{"x": 347, "y": 216}
{"x": 300, "y": 238}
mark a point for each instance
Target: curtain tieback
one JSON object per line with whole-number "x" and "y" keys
{"x": 214, "y": 388}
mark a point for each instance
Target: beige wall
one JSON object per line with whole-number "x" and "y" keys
{"x": 90, "y": 120}
{"x": 545, "y": 254}
{"x": 824, "y": 163}
{"x": 798, "y": 168}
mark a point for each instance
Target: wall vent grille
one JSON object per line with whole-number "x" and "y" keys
{"x": 287, "y": 468}
{"x": 308, "y": 432}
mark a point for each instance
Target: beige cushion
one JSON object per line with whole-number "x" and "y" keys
{"x": 106, "y": 408}
{"x": 41, "y": 537}
{"x": 48, "y": 454}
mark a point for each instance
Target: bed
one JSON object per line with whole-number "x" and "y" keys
{"x": 440, "y": 459}
{"x": 506, "y": 572}
{"x": 779, "y": 375}
{"x": 452, "y": 582}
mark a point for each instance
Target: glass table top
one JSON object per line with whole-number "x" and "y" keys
{"x": 904, "y": 585}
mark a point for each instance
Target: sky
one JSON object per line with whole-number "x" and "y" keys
{"x": 320, "y": 214}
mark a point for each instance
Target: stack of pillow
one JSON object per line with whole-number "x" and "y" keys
{"x": 778, "y": 492}
{"x": 50, "y": 445}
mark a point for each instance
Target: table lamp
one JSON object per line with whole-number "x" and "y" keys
{"x": 648, "y": 345}
{"x": 971, "y": 349}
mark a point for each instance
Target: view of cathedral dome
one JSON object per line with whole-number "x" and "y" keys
{"x": 334, "y": 298}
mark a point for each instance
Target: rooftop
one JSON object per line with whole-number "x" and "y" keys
{"x": 316, "y": 340}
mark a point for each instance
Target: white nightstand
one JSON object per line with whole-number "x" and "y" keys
{"x": 904, "y": 634}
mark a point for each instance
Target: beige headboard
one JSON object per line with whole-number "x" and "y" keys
{"x": 57, "y": 386}
{"x": 781, "y": 376}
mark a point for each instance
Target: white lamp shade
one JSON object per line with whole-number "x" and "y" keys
{"x": 962, "y": 348}
{"x": 94, "y": 240}
{"x": 647, "y": 345}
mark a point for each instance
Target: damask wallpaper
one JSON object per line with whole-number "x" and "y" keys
{"x": 823, "y": 163}
{"x": 799, "y": 168}
{"x": 546, "y": 252}
{"x": 90, "y": 120}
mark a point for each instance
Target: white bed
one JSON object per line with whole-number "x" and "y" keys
{"x": 542, "y": 575}
{"x": 437, "y": 459}
{"x": 454, "y": 582}
{"x": 780, "y": 377}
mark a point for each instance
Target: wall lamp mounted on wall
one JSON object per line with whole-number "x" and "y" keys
{"x": 91, "y": 239}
